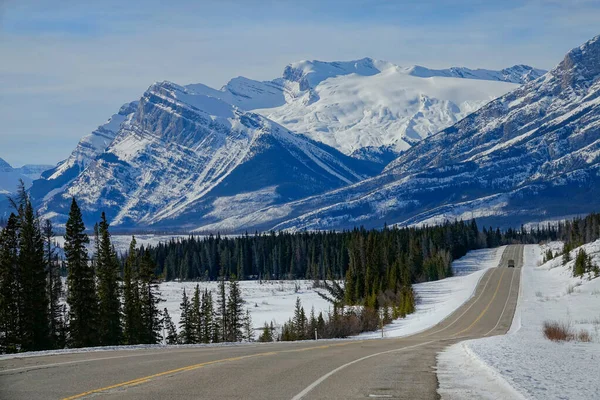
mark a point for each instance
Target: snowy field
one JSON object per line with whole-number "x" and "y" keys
{"x": 524, "y": 364}
{"x": 437, "y": 300}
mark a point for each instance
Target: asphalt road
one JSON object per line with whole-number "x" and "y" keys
{"x": 342, "y": 369}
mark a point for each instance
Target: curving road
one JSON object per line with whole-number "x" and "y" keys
{"x": 400, "y": 368}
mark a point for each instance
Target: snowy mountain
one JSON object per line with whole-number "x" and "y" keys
{"x": 9, "y": 176}
{"x": 531, "y": 154}
{"x": 367, "y": 108}
{"x": 88, "y": 148}
{"x": 181, "y": 156}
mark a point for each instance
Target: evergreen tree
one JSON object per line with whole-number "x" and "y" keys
{"x": 35, "y": 324}
{"x": 10, "y": 340}
{"x": 196, "y": 315}
{"x": 222, "y": 326}
{"x": 81, "y": 297}
{"x": 267, "y": 334}
{"x": 186, "y": 327}
{"x": 248, "y": 329}
{"x": 132, "y": 314}
{"x": 208, "y": 316}
{"x": 235, "y": 313}
{"x": 169, "y": 327}
{"x": 149, "y": 300}
{"x": 107, "y": 267}
{"x": 54, "y": 288}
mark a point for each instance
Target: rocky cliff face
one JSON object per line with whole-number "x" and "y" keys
{"x": 183, "y": 157}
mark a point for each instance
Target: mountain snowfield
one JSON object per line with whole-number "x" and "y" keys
{"x": 193, "y": 157}
{"x": 522, "y": 157}
{"x": 181, "y": 155}
{"x": 369, "y": 108}
{"x": 378, "y": 106}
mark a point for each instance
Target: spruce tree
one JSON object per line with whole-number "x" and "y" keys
{"x": 54, "y": 288}
{"x": 35, "y": 324}
{"x": 107, "y": 267}
{"x": 267, "y": 334}
{"x": 196, "y": 315}
{"x": 10, "y": 340}
{"x": 235, "y": 312}
{"x": 186, "y": 327}
{"x": 207, "y": 317}
{"x": 248, "y": 329}
{"x": 81, "y": 286}
{"x": 132, "y": 315}
{"x": 223, "y": 325}
{"x": 149, "y": 300}
{"x": 169, "y": 327}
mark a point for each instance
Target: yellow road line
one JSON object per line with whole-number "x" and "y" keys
{"x": 490, "y": 275}
{"x": 200, "y": 365}
{"x": 487, "y": 307}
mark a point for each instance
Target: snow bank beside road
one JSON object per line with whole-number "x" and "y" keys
{"x": 437, "y": 300}
{"x": 524, "y": 359}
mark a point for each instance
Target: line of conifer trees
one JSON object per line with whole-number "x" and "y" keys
{"x": 104, "y": 305}
{"x": 202, "y": 322}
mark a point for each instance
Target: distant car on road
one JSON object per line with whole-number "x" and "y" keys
{"x": 511, "y": 263}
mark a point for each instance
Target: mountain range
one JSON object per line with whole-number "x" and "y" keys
{"x": 9, "y": 176}
{"x": 339, "y": 144}
{"x": 530, "y": 155}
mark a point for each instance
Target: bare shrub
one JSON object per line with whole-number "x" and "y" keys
{"x": 583, "y": 336}
{"x": 557, "y": 331}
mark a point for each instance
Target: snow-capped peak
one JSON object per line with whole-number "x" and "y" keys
{"x": 310, "y": 73}
{"x": 516, "y": 74}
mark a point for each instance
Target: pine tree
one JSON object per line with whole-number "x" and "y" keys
{"x": 196, "y": 315}
{"x": 132, "y": 314}
{"x": 186, "y": 327}
{"x": 208, "y": 315}
{"x": 35, "y": 324}
{"x": 235, "y": 312}
{"x": 82, "y": 298}
{"x": 169, "y": 327}
{"x": 267, "y": 334}
{"x": 248, "y": 329}
{"x": 107, "y": 267}
{"x": 54, "y": 288}
{"x": 149, "y": 300}
{"x": 10, "y": 340}
{"x": 222, "y": 325}
{"x": 581, "y": 262}
{"x": 299, "y": 321}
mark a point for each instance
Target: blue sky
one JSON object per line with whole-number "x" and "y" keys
{"x": 68, "y": 65}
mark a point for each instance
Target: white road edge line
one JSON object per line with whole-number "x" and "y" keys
{"x": 316, "y": 383}
{"x": 472, "y": 304}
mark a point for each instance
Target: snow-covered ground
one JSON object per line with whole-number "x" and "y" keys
{"x": 437, "y": 300}
{"x": 524, "y": 364}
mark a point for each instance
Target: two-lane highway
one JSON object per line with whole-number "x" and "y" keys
{"x": 346, "y": 369}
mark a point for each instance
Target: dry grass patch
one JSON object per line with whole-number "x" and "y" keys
{"x": 557, "y": 331}
{"x": 562, "y": 332}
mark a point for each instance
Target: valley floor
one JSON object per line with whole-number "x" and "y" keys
{"x": 523, "y": 363}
